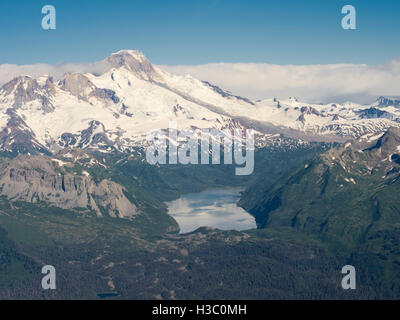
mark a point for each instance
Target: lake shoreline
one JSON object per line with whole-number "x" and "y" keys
{"x": 214, "y": 208}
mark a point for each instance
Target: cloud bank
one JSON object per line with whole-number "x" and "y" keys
{"x": 10, "y": 71}
{"x": 312, "y": 83}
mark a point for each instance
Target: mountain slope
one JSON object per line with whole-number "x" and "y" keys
{"x": 346, "y": 200}
{"x": 115, "y": 110}
{"x": 342, "y": 193}
{"x": 36, "y": 179}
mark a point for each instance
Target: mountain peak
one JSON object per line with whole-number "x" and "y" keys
{"x": 28, "y": 83}
{"x": 24, "y": 89}
{"x": 136, "y": 62}
{"x": 127, "y": 52}
{"x": 388, "y": 101}
{"x": 77, "y": 84}
{"x": 19, "y": 82}
{"x": 390, "y": 140}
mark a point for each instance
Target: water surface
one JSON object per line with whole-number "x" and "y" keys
{"x": 211, "y": 208}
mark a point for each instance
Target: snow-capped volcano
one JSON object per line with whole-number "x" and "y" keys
{"x": 116, "y": 109}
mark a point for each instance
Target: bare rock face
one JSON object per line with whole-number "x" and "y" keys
{"x": 26, "y": 89}
{"x": 388, "y": 102}
{"x": 79, "y": 85}
{"x": 16, "y": 136}
{"x": 136, "y": 62}
{"x": 95, "y": 135}
{"x": 39, "y": 178}
{"x": 110, "y": 195}
{"x": 370, "y": 156}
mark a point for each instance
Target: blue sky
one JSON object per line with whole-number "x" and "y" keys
{"x": 198, "y": 32}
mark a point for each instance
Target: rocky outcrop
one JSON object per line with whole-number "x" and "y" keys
{"x": 94, "y": 136}
{"x": 42, "y": 179}
{"x": 374, "y": 113}
{"x": 17, "y": 137}
{"x": 387, "y": 102}
{"x": 136, "y": 62}
{"x": 26, "y": 89}
{"x": 226, "y": 94}
{"x": 79, "y": 85}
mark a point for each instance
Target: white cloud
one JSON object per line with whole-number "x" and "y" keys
{"x": 313, "y": 83}
{"x": 10, "y": 71}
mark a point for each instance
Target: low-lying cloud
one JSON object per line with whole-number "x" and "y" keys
{"x": 314, "y": 83}
{"x": 10, "y": 71}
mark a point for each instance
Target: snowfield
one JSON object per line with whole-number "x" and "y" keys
{"x": 119, "y": 107}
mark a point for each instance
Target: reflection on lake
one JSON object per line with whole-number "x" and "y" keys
{"x": 211, "y": 208}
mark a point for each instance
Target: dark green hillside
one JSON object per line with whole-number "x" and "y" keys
{"x": 347, "y": 200}
{"x": 97, "y": 258}
{"x": 142, "y": 258}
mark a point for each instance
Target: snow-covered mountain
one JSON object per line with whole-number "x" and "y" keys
{"x": 348, "y": 120}
{"x": 115, "y": 110}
